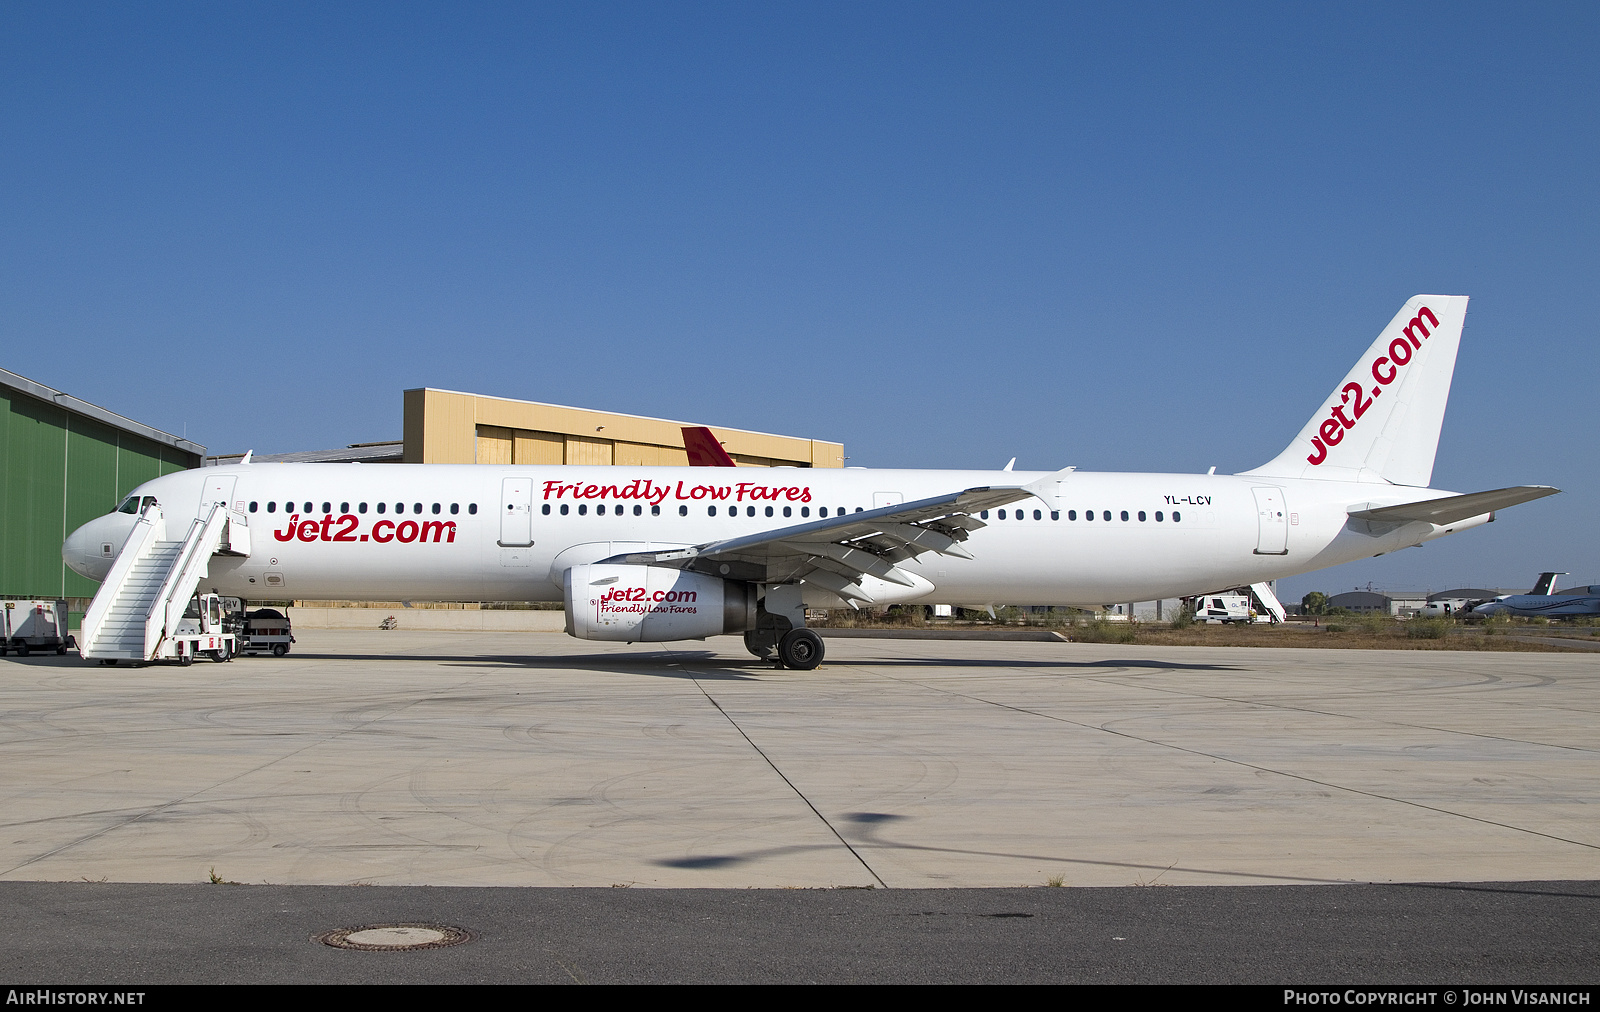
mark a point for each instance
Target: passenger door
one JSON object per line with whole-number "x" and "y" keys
{"x": 218, "y": 489}
{"x": 516, "y": 512}
{"x": 1272, "y": 537}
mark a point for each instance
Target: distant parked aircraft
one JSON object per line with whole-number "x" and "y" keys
{"x": 1543, "y": 600}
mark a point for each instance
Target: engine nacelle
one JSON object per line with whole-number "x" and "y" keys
{"x": 652, "y": 604}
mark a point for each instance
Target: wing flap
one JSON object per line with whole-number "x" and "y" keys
{"x": 837, "y": 552}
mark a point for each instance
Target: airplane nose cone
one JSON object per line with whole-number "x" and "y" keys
{"x": 90, "y": 550}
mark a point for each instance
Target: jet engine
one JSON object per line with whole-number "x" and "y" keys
{"x": 651, "y": 604}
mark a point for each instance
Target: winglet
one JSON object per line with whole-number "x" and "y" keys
{"x": 704, "y": 448}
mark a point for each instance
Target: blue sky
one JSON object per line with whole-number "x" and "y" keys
{"x": 1149, "y": 238}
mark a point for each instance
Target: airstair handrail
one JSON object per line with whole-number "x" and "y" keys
{"x": 149, "y": 529}
{"x": 198, "y": 544}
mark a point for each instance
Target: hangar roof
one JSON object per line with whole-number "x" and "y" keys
{"x": 78, "y": 406}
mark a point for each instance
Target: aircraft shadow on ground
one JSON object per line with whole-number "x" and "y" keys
{"x": 707, "y": 664}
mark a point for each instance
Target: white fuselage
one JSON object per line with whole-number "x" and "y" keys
{"x": 363, "y": 536}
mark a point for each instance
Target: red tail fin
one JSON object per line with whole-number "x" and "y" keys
{"x": 704, "y": 449}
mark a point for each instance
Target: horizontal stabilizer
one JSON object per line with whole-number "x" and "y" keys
{"x": 1455, "y": 508}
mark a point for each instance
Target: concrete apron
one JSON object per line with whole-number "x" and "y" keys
{"x": 448, "y": 758}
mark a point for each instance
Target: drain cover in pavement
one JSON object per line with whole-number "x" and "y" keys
{"x": 395, "y": 937}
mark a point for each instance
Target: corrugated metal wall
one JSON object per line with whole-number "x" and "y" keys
{"x": 59, "y": 470}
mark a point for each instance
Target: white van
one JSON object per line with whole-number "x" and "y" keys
{"x": 1224, "y": 608}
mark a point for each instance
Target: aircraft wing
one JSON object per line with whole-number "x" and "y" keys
{"x": 837, "y": 552}
{"x": 1454, "y": 508}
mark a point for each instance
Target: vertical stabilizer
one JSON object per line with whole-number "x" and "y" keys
{"x": 1546, "y": 584}
{"x": 704, "y": 449}
{"x": 1382, "y": 422}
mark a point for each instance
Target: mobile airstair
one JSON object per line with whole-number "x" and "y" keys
{"x": 135, "y": 615}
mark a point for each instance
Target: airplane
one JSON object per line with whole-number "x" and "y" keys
{"x": 657, "y": 554}
{"x": 1543, "y": 600}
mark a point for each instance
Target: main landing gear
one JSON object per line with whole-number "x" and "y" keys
{"x": 800, "y": 649}
{"x": 780, "y": 629}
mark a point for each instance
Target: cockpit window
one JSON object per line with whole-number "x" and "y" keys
{"x": 129, "y": 505}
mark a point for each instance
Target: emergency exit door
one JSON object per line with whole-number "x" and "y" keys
{"x": 1272, "y": 537}
{"x": 516, "y": 512}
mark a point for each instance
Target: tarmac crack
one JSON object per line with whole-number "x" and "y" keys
{"x": 1247, "y": 765}
{"x": 792, "y": 786}
{"x": 1334, "y": 713}
{"x": 192, "y": 795}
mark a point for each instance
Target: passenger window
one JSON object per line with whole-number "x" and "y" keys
{"x": 683, "y": 511}
{"x": 787, "y": 511}
{"x": 600, "y": 510}
{"x": 472, "y": 507}
{"x": 1072, "y": 514}
{"x": 344, "y": 507}
{"x": 860, "y": 509}
{"x": 327, "y": 507}
{"x": 1001, "y": 514}
{"x": 750, "y": 511}
{"x": 1176, "y": 516}
{"x": 308, "y": 507}
{"x": 272, "y": 507}
{"x": 1124, "y": 516}
{"x": 1055, "y": 514}
{"x": 455, "y": 508}
{"x": 361, "y": 507}
{"x": 1141, "y": 516}
{"x": 1037, "y": 515}
{"x": 382, "y": 507}
{"x": 416, "y": 507}
{"x": 711, "y": 511}
{"x": 1089, "y": 515}
{"x": 638, "y": 511}
{"x": 399, "y": 507}
{"x": 564, "y": 508}
{"x": 984, "y": 515}
{"x": 822, "y": 511}
{"x": 1158, "y": 516}
{"x": 545, "y": 509}
{"x": 655, "y": 511}
{"x": 1106, "y": 515}
{"x": 805, "y": 511}
{"x": 435, "y": 509}
{"x": 769, "y": 511}
{"x": 252, "y": 507}
{"x": 583, "y": 509}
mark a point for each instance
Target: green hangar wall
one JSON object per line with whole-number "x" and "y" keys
{"x": 66, "y": 461}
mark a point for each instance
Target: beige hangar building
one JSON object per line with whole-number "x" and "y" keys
{"x": 452, "y": 427}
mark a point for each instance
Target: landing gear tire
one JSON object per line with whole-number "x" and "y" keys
{"x": 800, "y": 649}
{"x": 279, "y": 649}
